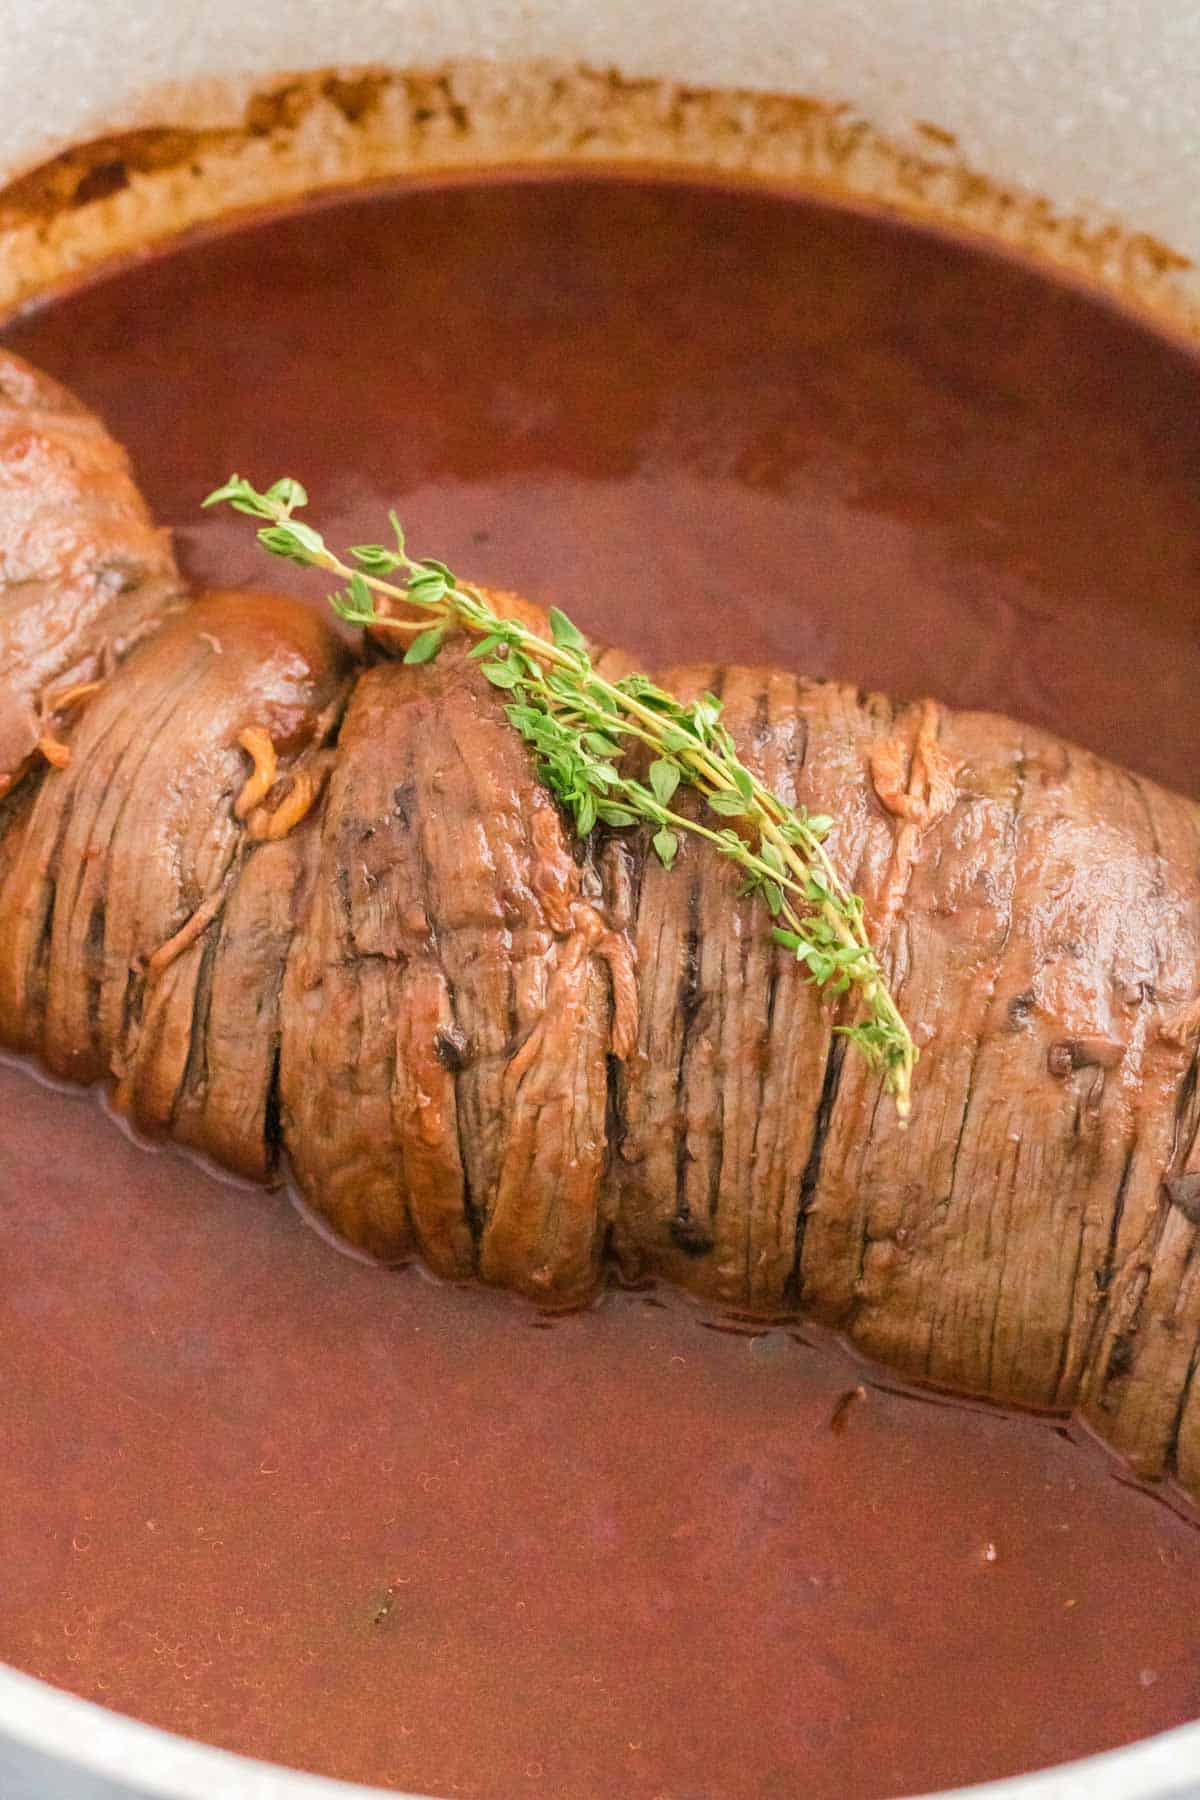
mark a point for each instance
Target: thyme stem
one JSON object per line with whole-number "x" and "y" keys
{"x": 579, "y": 725}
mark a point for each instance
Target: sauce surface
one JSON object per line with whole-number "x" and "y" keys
{"x": 257, "y": 1492}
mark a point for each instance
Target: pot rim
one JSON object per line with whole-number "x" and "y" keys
{"x": 88, "y": 1753}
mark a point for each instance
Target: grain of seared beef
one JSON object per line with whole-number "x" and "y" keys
{"x": 116, "y": 858}
{"x": 84, "y": 574}
{"x": 445, "y": 1034}
{"x": 521, "y": 1060}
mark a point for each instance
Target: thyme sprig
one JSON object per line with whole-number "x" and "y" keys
{"x": 579, "y": 726}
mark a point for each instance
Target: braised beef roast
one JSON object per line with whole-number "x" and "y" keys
{"x": 291, "y": 913}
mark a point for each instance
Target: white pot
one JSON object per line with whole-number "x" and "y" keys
{"x": 1067, "y": 126}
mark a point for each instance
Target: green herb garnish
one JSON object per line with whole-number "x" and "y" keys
{"x": 579, "y": 726}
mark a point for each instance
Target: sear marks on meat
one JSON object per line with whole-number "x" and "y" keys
{"x": 227, "y": 1103}
{"x": 452, "y": 1101}
{"x": 985, "y": 1249}
{"x": 119, "y": 856}
{"x": 379, "y": 948}
{"x": 84, "y": 575}
{"x": 715, "y": 1152}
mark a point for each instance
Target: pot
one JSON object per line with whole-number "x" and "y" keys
{"x": 121, "y": 123}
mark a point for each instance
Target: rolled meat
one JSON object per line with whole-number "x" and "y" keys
{"x": 308, "y": 914}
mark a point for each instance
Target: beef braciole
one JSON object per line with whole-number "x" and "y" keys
{"x": 370, "y": 943}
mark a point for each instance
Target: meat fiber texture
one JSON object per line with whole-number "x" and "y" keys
{"x": 524, "y": 1060}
